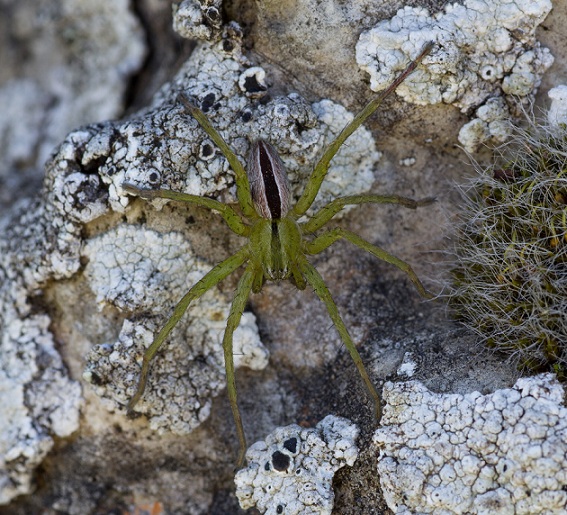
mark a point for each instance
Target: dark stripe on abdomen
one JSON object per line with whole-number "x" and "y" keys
{"x": 270, "y": 185}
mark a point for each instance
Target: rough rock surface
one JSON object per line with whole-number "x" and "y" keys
{"x": 136, "y": 272}
{"x": 65, "y": 63}
{"x": 56, "y": 309}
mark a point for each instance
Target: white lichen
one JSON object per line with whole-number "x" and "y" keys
{"x": 164, "y": 146}
{"x": 484, "y": 49}
{"x": 38, "y": 400}
{"x": 492, "y": 125}
{"x": 557, "y": 113}
{"x": 253, "y": 82}
{"x": 129, "y": 267}
{"x": 198, "y": 19}
{"x": 291, "y": 472}
{"x": 407, "y": 161}
{"x": 408, "y": 366}
{"x": 499, "y": 453}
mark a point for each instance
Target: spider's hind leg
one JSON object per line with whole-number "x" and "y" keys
{"x": 238, "y": 304}
{"x": 316, "y": 281}
{"x": 211, "y": 279}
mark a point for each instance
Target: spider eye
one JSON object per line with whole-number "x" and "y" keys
{"x": 269, "y": 184}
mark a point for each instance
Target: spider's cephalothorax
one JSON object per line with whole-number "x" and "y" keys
{"x": 277, "y": 246}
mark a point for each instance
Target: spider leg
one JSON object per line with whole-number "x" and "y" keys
{"x": 240, "y": 177}
{"x": 320, "y": 170}
{"x": 316, "y": 281}
{"x": 212, "y": 278}
{"x": 230, "y": 216}
{"x": 332, "y": 208}
{"x": 236, "y": 310}
{"x": 328, "y": 238}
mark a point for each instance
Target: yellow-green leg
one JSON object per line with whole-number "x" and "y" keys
{"x": 320, "y": 170}
{"x": 231, "y": 217}
{"x": 328, "y": 238}
{"x": 238, "y": 304}
{"x": 241, "y": 179}
{"x": 212, "y": 278}
{"x": 316, "y": 281}
{"x": 332, "y": 208}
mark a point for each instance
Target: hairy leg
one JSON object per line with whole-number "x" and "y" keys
{"x": 231, "y": 217}
{"x": 316, "y": 281}
{"x": 212, "y": 278}
{"x": 328, "y": 238}
{"x": 320, "y": 170}
{"x": 332, "y": 208}
{"x": 241, "y": 179}
{"x": 238, "y": 304}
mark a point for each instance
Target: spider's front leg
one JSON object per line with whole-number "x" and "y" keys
{"x": 326, "y": 213}
{"x": 230, "y": 216}
{"x": 320, "y": 171}
{"x": 241, "y": 179}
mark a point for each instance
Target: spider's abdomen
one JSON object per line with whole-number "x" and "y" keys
{"x": 269, "y": 185}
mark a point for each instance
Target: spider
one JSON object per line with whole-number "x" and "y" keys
{"x": 278, "y": 245}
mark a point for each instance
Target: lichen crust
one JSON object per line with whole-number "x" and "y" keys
{"x": 291, "y": 471}
{"x": 485, "y": 49}
{"x": 501, "y": 453}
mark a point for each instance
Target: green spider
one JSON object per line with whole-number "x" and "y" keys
{"x": 278, "y": 245}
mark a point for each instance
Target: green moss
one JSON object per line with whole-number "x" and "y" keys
{"x": 510, "y": 275}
